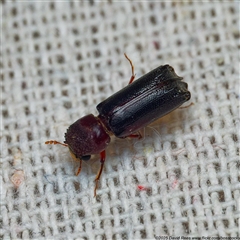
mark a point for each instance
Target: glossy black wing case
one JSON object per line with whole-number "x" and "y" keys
{"x": 146, "y": 99}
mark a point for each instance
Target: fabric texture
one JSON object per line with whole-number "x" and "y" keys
{"x": 59, "y": 60}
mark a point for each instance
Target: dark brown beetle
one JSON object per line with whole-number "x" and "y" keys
{"x": 148, "y": 98}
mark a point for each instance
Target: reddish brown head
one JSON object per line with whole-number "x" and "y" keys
{"x": 86, "y": 136}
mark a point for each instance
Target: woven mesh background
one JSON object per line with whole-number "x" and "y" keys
{"x": 59, "y": 60}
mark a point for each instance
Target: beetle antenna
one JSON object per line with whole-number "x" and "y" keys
{"x": 56, "y": 142}
{"x": 133, "y": 75}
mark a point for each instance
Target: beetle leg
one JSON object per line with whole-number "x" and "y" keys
{"x": 135, "y": 135}
{"x": 79, "y": 168}
{"x": 102, "y": 160}
{"x": 133, "y": 75}
{"x": 189, "y": 105}
{"x": 55, "y": 142}
{"x": 76, "y": 159}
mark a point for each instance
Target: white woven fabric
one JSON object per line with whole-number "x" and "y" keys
{"x": 59, "y": 60}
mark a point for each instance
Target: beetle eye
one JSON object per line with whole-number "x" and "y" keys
{"x": 86, "y": 157}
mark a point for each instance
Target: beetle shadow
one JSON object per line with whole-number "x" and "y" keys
{"x": 166, "y": 124}
{"x": 153, "y": 135}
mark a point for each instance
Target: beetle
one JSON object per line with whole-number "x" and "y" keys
{"x": 123, "y": 114}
